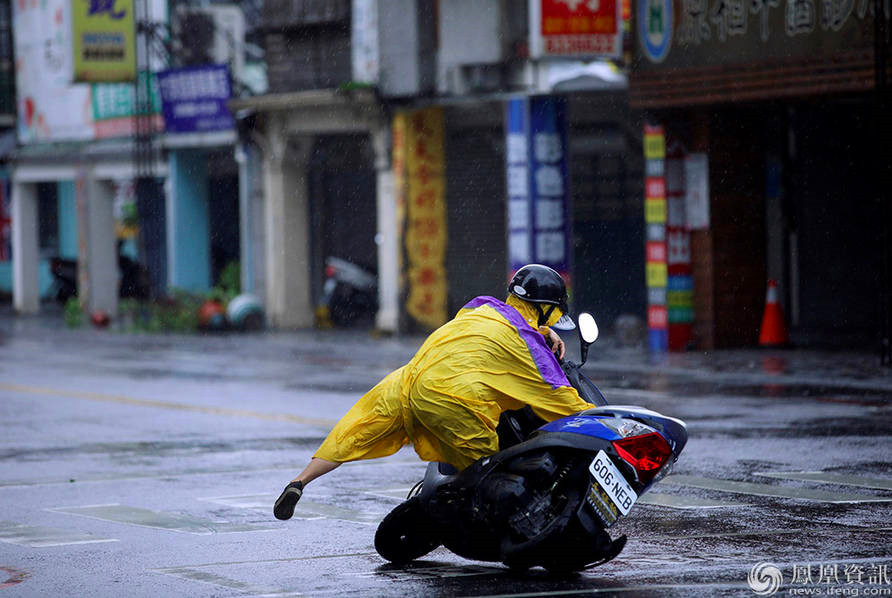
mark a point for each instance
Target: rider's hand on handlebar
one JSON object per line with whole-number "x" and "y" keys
{"x": 554, "y": 341}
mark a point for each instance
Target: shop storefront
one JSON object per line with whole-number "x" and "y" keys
{"x": 775, "y": 104}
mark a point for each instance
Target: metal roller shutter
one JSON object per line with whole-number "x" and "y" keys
{"x": 476, "y": 257}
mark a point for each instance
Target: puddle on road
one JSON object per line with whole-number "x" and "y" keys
{"x": 159, "y": 520}
{"x": 771, "y": 490}
{"x": 429, "y": 570}
{"x": 36, "y": 536}
{"x": 677, "y": 501}
{"x": 193, "y": 574}
{"x": 827, "y": 477}
{"x": 304, "y": 510}
{"x": 163, "y": 449}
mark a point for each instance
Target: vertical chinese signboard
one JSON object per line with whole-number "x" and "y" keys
{"x": 425, "y": 232}
{"x": 538, "y": 190}
{"x": 399, "y": 131}
{"x": 680, "y": 287}
{"x": 576, "y": 28}
{"x": 104, "y": 40}
{"x": 656, "y": 267}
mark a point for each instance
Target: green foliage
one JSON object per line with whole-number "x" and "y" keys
{"x": 179, "y": 311}
{"x": 231, "y": 277}
{"x": 353, "y": 85}
{"x": 229, "y": 285}
{"x": 180, "y": 314}
{"x": 129, "y": 216}
{"x": 73, "y": 313}
{"x": 176, "y": 313}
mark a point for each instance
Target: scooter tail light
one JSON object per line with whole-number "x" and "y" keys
{"x": 330, "y": 271}
{"x": 625, "y": 427}
{"x": 647, "y": 453}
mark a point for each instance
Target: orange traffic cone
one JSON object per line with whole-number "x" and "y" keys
{"x": 774, "y": 331}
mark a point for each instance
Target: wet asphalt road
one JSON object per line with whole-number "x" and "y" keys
{"x": 148, "y": 465}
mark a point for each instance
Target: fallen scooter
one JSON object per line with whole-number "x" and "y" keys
{"x": 548, "y": 497}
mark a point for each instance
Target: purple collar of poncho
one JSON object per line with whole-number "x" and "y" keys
{"x": 544, "y": 359}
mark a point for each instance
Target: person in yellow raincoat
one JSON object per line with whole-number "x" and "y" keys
{"x": 492, "y": 357}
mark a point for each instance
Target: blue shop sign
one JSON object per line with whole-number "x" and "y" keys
{"x": 193, "y": 99}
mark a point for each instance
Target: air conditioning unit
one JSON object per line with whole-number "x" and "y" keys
{"x": 211, "y": 34}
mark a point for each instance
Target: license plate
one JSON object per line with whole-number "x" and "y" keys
{"x": 612, "y": 482}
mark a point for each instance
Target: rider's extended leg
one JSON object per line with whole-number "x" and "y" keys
{"x": 372, "y": 428}
{"x": 315, "y": 468}
{"x": 284, "y": 507}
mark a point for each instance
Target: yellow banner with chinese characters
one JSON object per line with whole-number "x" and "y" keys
{"x": 425, "y": 214}
{"x": 399, "y": 128}
{"x": 104, "y": 40}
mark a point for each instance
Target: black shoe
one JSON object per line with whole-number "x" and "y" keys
{"x": 284, "y": 507}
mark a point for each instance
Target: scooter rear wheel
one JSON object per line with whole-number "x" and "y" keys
{"x": 406, "y": 534}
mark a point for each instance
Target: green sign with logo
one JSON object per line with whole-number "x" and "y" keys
{"x": 678, "y": 34}
{"x": 118, "y": 100}
{"x": 104, "y": 40}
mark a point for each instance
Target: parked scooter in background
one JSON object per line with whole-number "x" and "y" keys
{"x": 133, "y": 282}
{"x": 349, "y": 295}
{"x": 64, "y": 279}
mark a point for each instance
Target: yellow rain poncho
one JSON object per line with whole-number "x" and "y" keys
{"x": 447, "y": 400}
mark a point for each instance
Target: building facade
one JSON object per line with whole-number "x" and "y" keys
{"x": 783, "y": 102}
{"x": 104, "y": 169}
{"x": 383, "y": 141}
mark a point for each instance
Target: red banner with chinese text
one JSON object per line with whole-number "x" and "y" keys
{"x": 425, "y": 216}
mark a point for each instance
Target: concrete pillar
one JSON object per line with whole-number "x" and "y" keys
{"x": 188, "y": 222}
{"x": 257, "y": 234}
{"x": 387, "y": 318}
{"x": 25, "y": 249}
{"x": 101, "y": 249}
{"x": 246, "y": 238}
{"x": 288, "y": 297}
{"x": 251, "y": 221}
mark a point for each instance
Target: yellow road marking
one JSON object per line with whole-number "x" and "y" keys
{"x": 122, "y": 400}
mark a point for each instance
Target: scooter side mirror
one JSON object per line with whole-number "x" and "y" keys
{"x": 588, "y": 333}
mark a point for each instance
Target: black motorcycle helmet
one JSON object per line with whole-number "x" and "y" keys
{"x": 541, "y": 285}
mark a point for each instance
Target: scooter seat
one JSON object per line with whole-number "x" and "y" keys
{"x": 446, "y": 469}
